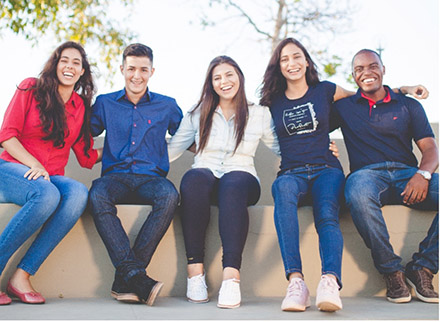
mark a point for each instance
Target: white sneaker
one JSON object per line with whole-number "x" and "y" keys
{"x": 197, "y": 290}
{"x": 229, "y": 296}
{"x": 327, "y": 295}
{"x": 297, "y": 297}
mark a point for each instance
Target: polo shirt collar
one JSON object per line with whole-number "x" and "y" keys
{"x": 391, "y": 96}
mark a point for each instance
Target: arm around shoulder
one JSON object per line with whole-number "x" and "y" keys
{"x": 270, "y": 138}
{"x": 183, "y": 138}
{"x": 341, "y": 93}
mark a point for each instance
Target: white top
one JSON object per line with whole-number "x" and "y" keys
{"x": 218, "y": 152}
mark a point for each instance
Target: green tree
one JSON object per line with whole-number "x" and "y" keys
{"x": 313, "y": 22}
{"x": 83, "y": 21}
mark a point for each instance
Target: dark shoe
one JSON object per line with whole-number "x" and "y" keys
{"x": 421, "y": 281}
{"x": 28, "y": 298}
{"x": 397, "y": 291}
{"x": 145, "y": 288}
{"x": 4, "y": 299}
{"x": 121, "y": 292}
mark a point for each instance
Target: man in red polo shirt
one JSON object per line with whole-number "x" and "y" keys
{"x": 378, "y": 127}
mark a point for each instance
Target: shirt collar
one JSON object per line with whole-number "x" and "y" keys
{"x": 75, "y": 100}
{"x": 145, "y": 98}
{"x": 219, "y": 110}
{"x": 388, "y": 98}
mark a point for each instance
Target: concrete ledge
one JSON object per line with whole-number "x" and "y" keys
{"x": 80, "y": 266}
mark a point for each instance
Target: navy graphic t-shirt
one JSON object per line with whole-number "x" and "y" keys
{"x": 302, "y": 126}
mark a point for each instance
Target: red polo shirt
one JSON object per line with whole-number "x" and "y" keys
{"x": 22, "y": 120}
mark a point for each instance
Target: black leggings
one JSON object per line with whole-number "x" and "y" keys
{"x": 232, "y": 193}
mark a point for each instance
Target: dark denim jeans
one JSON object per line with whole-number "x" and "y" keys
{"x": 123, "y": 188}
{"x": 376, "y": 185}
{"x": 323, "y": 187}
{"x": 233, "y": 193}
{"x": 54, "y": 206}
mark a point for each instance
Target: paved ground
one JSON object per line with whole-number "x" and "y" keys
{"x": 177, "y": 308}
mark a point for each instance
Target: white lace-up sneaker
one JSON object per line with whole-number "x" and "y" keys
{"x": 197, "y": 290}
{"x": 327, "y": 295}
{"x": 297, "y": 297}
{"x": 229, "y": 296}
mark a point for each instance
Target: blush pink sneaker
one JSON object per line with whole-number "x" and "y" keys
{"x": 298, "y": 297}
{"x": 327, "y": 295}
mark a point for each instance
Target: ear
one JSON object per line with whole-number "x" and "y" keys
{"x": 152, "y": 71}
{"x": 121, "y": 67}
{"x": 383, "y": 69}
{"x": 82, "y": 72}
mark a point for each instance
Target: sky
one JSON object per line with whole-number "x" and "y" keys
{"x": 408, "y": 30}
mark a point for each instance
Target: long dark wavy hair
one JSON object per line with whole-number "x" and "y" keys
{"x": 51, "y": 105}
{"x": 274, "y": 83}
{"x": 209, "y": 101}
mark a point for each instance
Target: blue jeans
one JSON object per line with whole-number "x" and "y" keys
{"x": 323, "y": 187}
{"x": 127, "y": 188}
{"x": 233, "y": 193}
{"x": 376, "y": 185}
{"x": 54, "y": 206}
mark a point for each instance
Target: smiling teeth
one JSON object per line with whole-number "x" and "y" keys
{"x": 368, "y": 80}
{"x": 226, "y": 88}
{"x": 68, "y": 74}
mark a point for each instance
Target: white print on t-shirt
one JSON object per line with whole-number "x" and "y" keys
{"x": 300, "y": 119}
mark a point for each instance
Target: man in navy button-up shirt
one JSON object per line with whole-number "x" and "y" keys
{"x": 134, "y": 166}
{"x": 378, "y": 127}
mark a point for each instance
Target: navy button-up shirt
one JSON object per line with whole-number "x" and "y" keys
{"x": 135, "y": 133}
{"x": 383, "y": 134}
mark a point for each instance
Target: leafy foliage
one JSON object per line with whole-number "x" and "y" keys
{"x": 83, "y": 21}
{"x": 313, "y": 22}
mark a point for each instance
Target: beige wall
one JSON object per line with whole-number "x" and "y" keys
{"x": 80, "y": 267}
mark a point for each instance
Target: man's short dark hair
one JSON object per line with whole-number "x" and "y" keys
{"x": 138, "y": 50}
{"x": 365, "y": 50}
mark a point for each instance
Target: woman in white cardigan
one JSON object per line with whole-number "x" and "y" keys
{"x": 226, "y": 130}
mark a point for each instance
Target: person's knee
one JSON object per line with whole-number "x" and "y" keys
{"x": 76, "y": 197}
{"x": 283, "y": 187}
{"x": 167, "y": 192}
{"x": 358, "y": 190}
{"x": 193, "y": 179}
{"x": 47, "y": 196}
{"x": 98, "y": 193}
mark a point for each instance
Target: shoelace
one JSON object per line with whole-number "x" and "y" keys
{"x": 426, "y": 279}
{"x": 394, "y": 281}
{"x": 328, "y": 285}
{"x": 295, "y": 288}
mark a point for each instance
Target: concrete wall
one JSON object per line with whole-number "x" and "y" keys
{"x": 80, "y": 267}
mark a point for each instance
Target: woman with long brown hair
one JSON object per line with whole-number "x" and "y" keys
{"x": 226, "y": 130}
{"x": 46, "y": 117}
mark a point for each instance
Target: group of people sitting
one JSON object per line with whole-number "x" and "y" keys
{"x": 53, "y": 113}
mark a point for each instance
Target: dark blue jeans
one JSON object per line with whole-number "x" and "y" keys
{"x": 322, "y": 187}
{"x": 376, "y": 185}
{"x": 122, "y": 188}
{"x": 233, "y": 193}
